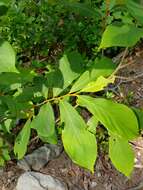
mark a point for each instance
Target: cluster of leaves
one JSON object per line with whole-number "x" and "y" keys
{"x": 50, "y": 101}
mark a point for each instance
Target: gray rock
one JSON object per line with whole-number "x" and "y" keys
{"x": 38, "y": 181}
{"x": 55, "y": 150}
{"x": 40, "y": 157}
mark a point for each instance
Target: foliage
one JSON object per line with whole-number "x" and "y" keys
{"x": 49, "y": 98}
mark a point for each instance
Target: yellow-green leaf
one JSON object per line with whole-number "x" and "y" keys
{"x": 92, "y": 124}
{"x": 121, "y": 155}
{"x": 98, "y": 85}
{"x": 101, "y": 67}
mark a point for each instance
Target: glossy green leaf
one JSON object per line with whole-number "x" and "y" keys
{"x": 98, "y": 85}
{"x": 121, "y": 155}
{"x": 6, "y": 155}
{"x": 7, "y": 124}
{"x": 117, "y": 118}
{"x": 7, "y": 58}
{"x": 92, "y": 124}
{"x": 139, "y": 115}
{"x": 71, "y": 66}
{"x": 78, "y": 142}
{"x": 20, "y": 146}
{"x": 122, "y": 36}
{"x": 101, "y": 67}
{"x": 44, "y": 123}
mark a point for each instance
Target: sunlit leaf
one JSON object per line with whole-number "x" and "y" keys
{"x": 7, "y": 124}
{"x": 44, "y": 123}
{"x": 121, "y": 155}
{"x": 78, "y": 142}
{"x": 98, "y": 85}
{"x": 71, "y": 66}
{"x": 117, "y": 118}
{"x": 20, "y": 146}
{"x": 101, "y": 67}
{"x": 7, "y": 58}
{"x": 122, "y": 36}
{"x": 92, "y": 124}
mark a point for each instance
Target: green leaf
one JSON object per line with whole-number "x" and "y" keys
{"x": 83, "y": 9}
{"x": 44, "y": 123}
{"x": 55, "y": 79}
{"x": 71, "y": 66}
{"x": 92, "y": 124}
{"x": 4, "y": 152}
{"x": 16, "y": 109}
{"x": 7, "y": 124}
{"x": 3, "y": 109}
{"x": 20, "y": 146}
{"x": 6, "y": 155}
{"x": 7, "y": 58}
{"x": 121, "y": 155}
{"x": 139, "y": 115}
{"x": 78, "y": 142}
{"x": 3, "y": 8}
{"x": 13, "y": 78}
{"x": 98, "y": 85}
{"x": 122, "y": 36}
{"x": 117, "y": 118}
{"x": 135, "y": 9}
{"x": 101, "y": 67}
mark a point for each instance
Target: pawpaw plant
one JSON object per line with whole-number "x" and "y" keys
{"x": 33, "y": 96}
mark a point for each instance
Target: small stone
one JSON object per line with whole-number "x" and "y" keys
{"x": 99, "y": 174}
{"x": 93, "y": 184}
{"x": 39, "y": 181}
{"x": 9, "y": 174}
{"x": 40, "y": 157}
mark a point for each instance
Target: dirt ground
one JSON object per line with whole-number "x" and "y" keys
{"x": 129, "y": 88}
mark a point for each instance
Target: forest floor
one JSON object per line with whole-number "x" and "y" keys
{"x": 128, "y": 88}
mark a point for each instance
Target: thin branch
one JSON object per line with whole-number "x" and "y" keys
{"x": 126, "y": 65}
{"x": 120, "y": 64}
{"x": 55, "y": 98}
{"x": 129, "y": 79}
{"x": 33, "y": 139}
